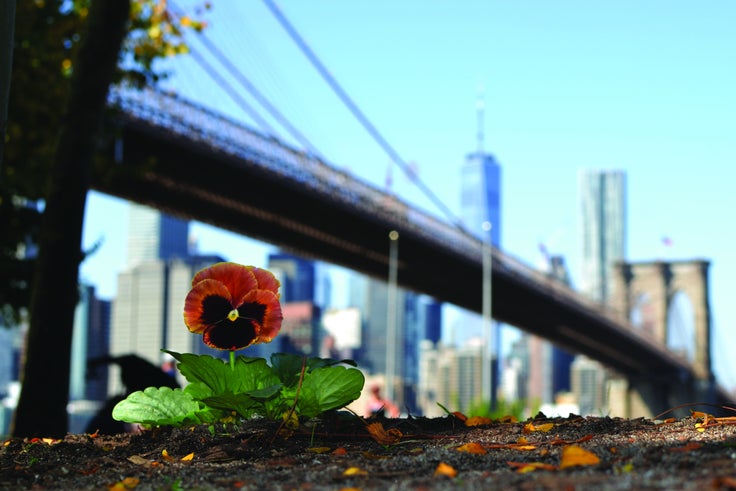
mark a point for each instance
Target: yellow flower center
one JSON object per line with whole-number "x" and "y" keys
{"x": 233, "y": 315}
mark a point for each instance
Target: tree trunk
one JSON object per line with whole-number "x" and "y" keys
{"x": 44, "y": 396}
{"x": 7, "y": 24}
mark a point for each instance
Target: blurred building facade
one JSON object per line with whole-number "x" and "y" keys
{"x": 480, "y": 205}
{"x": 603, "y": 244}
{"x": 153, "y": 235}
{"x": 548, "y": 365}
{"x": 448, "y": 375}
{"x": 91, "y": 339}
{"x": 147, "y": 311}
{"x": 602, "y": 229}
{"x": 418, "y": 317}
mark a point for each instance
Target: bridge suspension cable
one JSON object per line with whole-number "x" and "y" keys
{"x": 250, "y": 87}
{"x": 232, "y": 92}
{"x": 335, "y": 86}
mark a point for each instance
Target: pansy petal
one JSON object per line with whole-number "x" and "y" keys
{"x": 207, "y": 303}
{"x": 231, "y": 335}
{"x": 264, "y": 308}
{"x": 266, "y": 280}
{"x": 237, "y": 278}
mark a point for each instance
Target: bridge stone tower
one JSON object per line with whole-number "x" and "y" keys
{"x": 658, "y": 282}
{"x": 648, "y": 289}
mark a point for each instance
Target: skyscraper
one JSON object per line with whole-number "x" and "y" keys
{"x": 548, "y": 365}
{"x": 300, "y": 330}
{"x": 297, "y": 277}
{"x": 147, "y": 312}
{"x": 155, "y": 235}
{"x": 603, "y": 228}
{"x": 91, "y": 339}
{"x": 480, "y": 204}
{"x": 480, "y": 199}
{"x": 603, "y": 239}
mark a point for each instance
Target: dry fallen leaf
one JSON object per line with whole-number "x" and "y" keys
{"x": 472, "y": 447}
{"x": 524, "y": 467}
{"x": 319, "y": 449}
{"x": 47, "y": 441}
{"x": 530, "y": 427}
{"x": 126, "y": 483}
{"x": 478, "y": 421}
{"x": 291, "y": 420}
{"x": 445, "y": 470}
{"x": 572, "y": 455}
{"x": 687, "y": 448}
{"x": 187, "y": 457}
{"x": 355, "y": 471}
{"x": 380, "y": 435}
{"x": 726, "y": 482}
{"x": 138, "y": 460}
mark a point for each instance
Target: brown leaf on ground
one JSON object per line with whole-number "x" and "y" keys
{"x": 573, "y": 455}
{"x": 472, "y": 447}
{"x": 383, "y": 436}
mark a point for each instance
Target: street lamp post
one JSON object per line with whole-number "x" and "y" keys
{"x": 486, "y": 353}
{"x": 391, "y": 327}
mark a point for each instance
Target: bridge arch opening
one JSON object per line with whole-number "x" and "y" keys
{"x": 680, "y": 333}
{"x": 642, "y": 314}
{"x": 675, "y": 294}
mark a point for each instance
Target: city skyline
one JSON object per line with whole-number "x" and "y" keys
{"x": 579, "y": 86}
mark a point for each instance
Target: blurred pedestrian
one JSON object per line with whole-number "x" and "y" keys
{"x": 379, "y": 406}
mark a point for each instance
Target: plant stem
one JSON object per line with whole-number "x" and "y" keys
{"x": 232, "y": 360}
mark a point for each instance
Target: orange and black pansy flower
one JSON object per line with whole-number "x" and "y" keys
{"x": 233, "y": 306}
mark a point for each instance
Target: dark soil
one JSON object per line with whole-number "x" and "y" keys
{"x": 634, "y": 454}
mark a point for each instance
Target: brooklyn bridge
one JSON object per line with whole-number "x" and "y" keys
{"x": 189, "y": 161}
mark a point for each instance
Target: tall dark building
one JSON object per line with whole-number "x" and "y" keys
{"x": 422, "y": 321}
{"x": 561, "y": 359}
{"x": 91, "y": 340}
{"x": 301, "y": 328}
{"x": 297, "y": 277}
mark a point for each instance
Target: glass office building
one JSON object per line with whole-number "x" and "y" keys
{"x": 603, "y": 229}
{"x": 155, "y": 235}
{"x": 480, "y": 199}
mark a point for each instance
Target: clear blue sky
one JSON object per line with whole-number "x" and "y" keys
{"x": 647, "y": 87}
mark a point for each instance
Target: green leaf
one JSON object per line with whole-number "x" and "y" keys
{"x": 266, "y": 393}
{"x": 242, "y": 404}
{"x": 314, "y": 363}
{"x": 161, "y": 406}
{"x": 247, "y": 374}
{"x": 329, "y": 388}
{"x": 246, "y": 404}
{"x": 198, "y": 390}
{"x": 287, "y": 367}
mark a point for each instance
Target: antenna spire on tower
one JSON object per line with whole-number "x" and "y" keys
{"x": 480, "y": 109}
